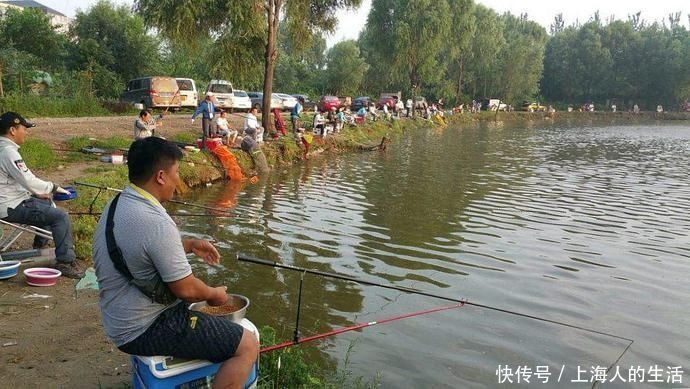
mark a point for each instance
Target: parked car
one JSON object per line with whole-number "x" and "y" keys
{"x": 388, "y": 99}
{"x": 222, "y": 92}
{"x": 359, "y": 102}
{"x": 257, "y": 99}
{"x": 308, "y": 104}
{"x": 533, "y": 107}
{"x": 152, "y": 92}
{"x": 241, "y": 101}
{"x": 189, "y": 97}
{"x": 419, "y": 102}
{"x": 288, "y": 102}
{"x": 493, "y": 104}
{"x": 327, "y": 102}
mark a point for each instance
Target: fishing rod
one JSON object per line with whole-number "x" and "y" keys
{"x": 246, "y": 258}
{"x": 169, "y": 214}
{"x": 355, "y": 327}
{"x": 172, "y": 201}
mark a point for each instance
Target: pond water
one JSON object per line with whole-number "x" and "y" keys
{"x": 578, "y": 224}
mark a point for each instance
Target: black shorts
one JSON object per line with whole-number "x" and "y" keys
{"x": 182, "y": 333}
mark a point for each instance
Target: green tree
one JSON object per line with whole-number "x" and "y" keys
{"x": 420, "y": 30}
{"x": 376, "y": 46}
{"x": 487, "y": 43}
{"x": 457, "y": 52}
{"x": 112, "y": 42}
{"x": 246, "y": 21}
{"x": 345, "y": 69}
{"x": 30, "y": 31}
{"x": 521, "y": 60}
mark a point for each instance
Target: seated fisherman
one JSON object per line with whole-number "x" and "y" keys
{"x": 224, "y": 130}
{"x": 26, "y": 199}
{"x": 145, "y": 125}
{"x": 252, "y": 123}
{"x": 145, "y": 280}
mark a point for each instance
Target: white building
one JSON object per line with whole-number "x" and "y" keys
{"x": 57, "y": 18}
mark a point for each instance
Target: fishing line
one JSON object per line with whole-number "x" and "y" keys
{"x": 246, "y": 258}
{"x": 171, "y": 201}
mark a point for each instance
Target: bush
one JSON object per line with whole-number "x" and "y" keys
{"x": 30, "y": 105}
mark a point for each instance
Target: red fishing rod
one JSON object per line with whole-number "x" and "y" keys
{"x": 355, "y": 327}
{"x": 246, "y": 258}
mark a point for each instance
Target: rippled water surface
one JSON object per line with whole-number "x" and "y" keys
{"x": 584, "y": 225}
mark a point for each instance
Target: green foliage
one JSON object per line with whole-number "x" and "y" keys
{"x": 31, "y": 105}
{"x": 38, "y": 155}
{"x": 293, "y": 372}
{"x": 112, "y": 45}
{"x": 83, "y": 227}
{"x": 30, "y": 31}
{"x": 346, "y": 69}
{"x": 623, "y": 61}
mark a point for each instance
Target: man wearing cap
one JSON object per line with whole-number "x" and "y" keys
{"x": 207, "y": 110}
{"x": 26, "y": 199}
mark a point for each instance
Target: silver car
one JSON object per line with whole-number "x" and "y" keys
{"x": 288, "y": 102}
{"x": 257, "y": 99}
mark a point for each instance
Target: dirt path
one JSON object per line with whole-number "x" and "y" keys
{"x": 57, "y": 130}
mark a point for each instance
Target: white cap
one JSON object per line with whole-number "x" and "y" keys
{"x": 210, "y": 94}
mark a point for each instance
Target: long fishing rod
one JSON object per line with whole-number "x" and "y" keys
{"x": 355, "y": 327}
{"x": 169, "y": 214}
{"x": 245, "y": 258}
{"x": 172, "y": 201}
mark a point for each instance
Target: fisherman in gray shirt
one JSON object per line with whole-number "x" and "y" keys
{"x": 136, "y": 245}
{"x": 26, "y": 199}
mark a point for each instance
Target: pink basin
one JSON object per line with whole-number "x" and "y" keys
{"x": 41, "y": 276}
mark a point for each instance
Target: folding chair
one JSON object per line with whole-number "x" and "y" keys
{"x": 15, "y": 232}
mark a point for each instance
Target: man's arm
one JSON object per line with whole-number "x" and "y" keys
{"x": 15, "y": 166}
{"x": 199, "y": 109}
{"x": 192, "y": 289}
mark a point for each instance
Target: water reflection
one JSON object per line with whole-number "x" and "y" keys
{"x": 581, "y": 224}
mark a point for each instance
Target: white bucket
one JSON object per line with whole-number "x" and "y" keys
{"x": 117, "y": 159}
{"x": 139, "y": 106}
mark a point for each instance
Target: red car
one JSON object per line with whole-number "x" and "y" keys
{"x": 390, "y": 101}
{"x": 327, "y": 102}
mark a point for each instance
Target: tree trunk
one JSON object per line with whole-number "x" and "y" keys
{"x": 273, "y": 11}
{"x": 458, "y": 94}
{"x": 2, "y": 89}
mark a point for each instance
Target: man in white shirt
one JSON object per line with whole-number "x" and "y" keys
{"x": 26, "y": 199}
{"x": 252, "y": 123}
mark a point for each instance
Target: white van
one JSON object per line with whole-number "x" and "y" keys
{"x": 223, "y": 93}
{"x": 188, "y": 93}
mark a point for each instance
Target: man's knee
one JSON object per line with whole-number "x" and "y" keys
{"x": 248, "y": 347}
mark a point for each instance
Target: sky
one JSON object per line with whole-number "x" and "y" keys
{"x": 541, "y": 11}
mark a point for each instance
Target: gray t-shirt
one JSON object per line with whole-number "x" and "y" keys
{"x": 150, "y": 243}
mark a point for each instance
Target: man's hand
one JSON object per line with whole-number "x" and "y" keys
{"x": 203, "y": 250}
{"x": 192, "y": 121}
{"x": 220, "y": 296}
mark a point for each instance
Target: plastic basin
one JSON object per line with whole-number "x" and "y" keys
{"x": 9, "y": 269}
{"x": 41, "y": 276}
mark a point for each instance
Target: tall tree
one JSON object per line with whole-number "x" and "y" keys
{"x": 420, "y": 30}
{"x": 457, "y": 53}
{"x": 345, "y": 69}
{"x": 30, "y": 31}
{"x": 244, "y": 21}
{"x": 112, "y": 42}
